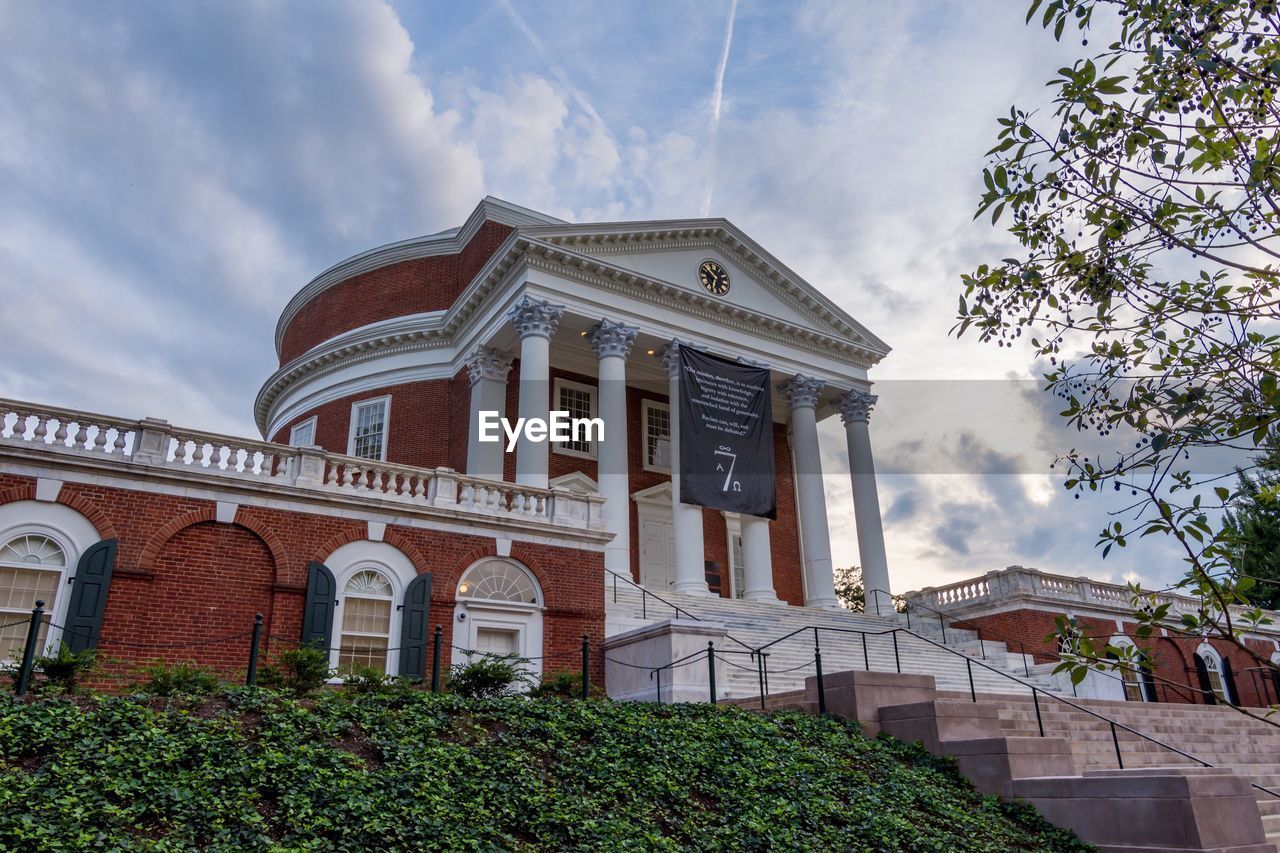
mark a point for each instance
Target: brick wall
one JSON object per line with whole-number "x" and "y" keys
{"x": 181, "y": 576}
{"x": 408, "y": 287}
{"x": 1172, "y": 656}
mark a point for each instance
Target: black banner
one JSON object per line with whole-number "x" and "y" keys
{"x": 726, "y": 435}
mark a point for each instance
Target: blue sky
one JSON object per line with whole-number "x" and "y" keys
{"x": 171, "y": 173}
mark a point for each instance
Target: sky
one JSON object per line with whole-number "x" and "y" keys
{"x": 170, "y": 174}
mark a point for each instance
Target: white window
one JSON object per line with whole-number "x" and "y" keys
{"x": 366, "y": 621}
{"x": 1213, "y": 669}
{"x": 304, "y": 433}
{"x": 31, "y": 568}
{"x": 498, "y": 580}
{"x": 657, "y": 436}
{"x": 580, "y": 402}
{"x": 1134, "y": 680}
{"x": 737, "y": 566}
{"x": 368, "y": 438}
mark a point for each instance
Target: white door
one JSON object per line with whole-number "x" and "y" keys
{"x": 657, "y": 554}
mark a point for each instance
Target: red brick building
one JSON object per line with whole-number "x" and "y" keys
{"x": 1018, "y": 607}
{"x": 373, "y": 511}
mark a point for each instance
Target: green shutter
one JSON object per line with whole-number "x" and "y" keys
{"x": 413, "y": 627}
{"x": 1206, "y": 688}
{"x": 317, "y": 614}
{"x": 89, "y": 588}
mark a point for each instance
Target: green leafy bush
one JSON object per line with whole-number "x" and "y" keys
{"x": 299, "y": 671}
{"x": 562, "y": 685}
{"x": 366, "y": 679}
{"x": 485, "y": 676}
{"x": 255, "y": 770}
{"x": 64, "y": 668}
{"x": 181, "y": 678}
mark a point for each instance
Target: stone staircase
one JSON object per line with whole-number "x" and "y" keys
{"x": 843, "y": 647}
{"x": 1216, "y": 733}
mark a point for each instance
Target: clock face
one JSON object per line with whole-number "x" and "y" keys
{"x": 714, "y": 278}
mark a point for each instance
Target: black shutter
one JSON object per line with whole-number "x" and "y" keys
{"x": 89, "y": 596}
{"x": 1229, "y": 683}
{"x": 1206, "y": 688}
{"x": 413, "y": 627}
{"x": 317, "y": 614}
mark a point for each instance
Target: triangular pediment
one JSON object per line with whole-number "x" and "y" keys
{"x": 659, "y": 494}
{"x": 673, "y": 251}
{"x": 576, "y": 482}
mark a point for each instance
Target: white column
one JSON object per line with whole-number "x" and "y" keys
{"x": 855, "y": 411}
{"x": 488, "y": 369}
{"x": 536, "y": 321}
{"x": 757, "y": 560}
{"x": 691, "y": 570}
{"x": 811, "y": 499}
{"x": 612, "y": 342}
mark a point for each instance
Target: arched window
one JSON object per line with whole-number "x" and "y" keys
{"x": 366, "y": 620}
{"x": 31, "y": 569}
{"x": 1215, "y": 674}
{"x": 499, "y": 580}
{"x": 1138, "y": 684}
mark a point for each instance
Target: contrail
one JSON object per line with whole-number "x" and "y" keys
{"x": 717, "y": 98}
{"x": 556, "y": 70}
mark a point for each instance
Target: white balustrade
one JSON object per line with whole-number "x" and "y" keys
{"x": 155, "y": 445}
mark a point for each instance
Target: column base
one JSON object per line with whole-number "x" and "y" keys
{"x": 824, "y": 603}
{"x": 694, "y": 588}
{"x": 764, "y": 596}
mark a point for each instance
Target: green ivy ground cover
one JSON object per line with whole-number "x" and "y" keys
{"x": 250, "y": 770}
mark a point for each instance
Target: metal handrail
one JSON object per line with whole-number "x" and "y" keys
{"x": 1035, "y": 692}
{"x": 679, "y": 611}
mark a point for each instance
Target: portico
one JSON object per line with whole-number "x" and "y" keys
{"x": 554, "y": 338}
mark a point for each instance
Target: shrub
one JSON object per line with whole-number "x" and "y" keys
{"x": 64, "y": 668}
{"x": 489, "y": 676}
{"x": 562, "y": 685}
{"x": 366, "y": 679}
{"x": 185, "y": 678}
{"x": 298, "y": 671}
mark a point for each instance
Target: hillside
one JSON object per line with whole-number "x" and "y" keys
{"x": 412, "y": 770}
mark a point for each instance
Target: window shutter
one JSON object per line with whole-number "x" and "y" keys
{"x": 89, "y": 596}
{"x": 1229, "y": 682}
{"x": 413, "y": 627}
{"x": 317, "y": 614}
{"x": 1206, "y": 688}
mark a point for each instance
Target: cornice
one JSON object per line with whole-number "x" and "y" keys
{"x": 448, "y": 242}
{"x": 438, "y": 329}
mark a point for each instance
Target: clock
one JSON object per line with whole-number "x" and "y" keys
{"x": 714, "y": 278}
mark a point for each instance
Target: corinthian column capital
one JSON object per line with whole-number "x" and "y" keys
{"x": 487, "y": 363}
{"x": 612, "y": 338}
{"x": 856, "y": 406}
{"x": 535, "y": 317}
{"x": 802, "y": 390}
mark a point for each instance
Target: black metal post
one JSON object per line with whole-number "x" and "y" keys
{"x": 908, "y": 615}
{"x": 968, "y": 663}
{"x": 897, "y": 664}
{"x": 817, "y": 665}
{"x": 586, "y": 666}
{"x": 251, "y": 678}
{"x": 982, "y": 647}
{"x": 615, "y": 589}
{"x": 876, "y": 597}
{"x": 1035, "y": 697}
{"x": 943, "y": 624}
{"x": 1026, "y": 667}
{"x": 866, "y": 661}
{"x": 765, "y": 667}
{"x": 658, "y": 673}
{"x": 435, "y": 660}
{"x": 711, "y": 670}
{"x": 760, "y": 675}
{"x": 29, "y": 651}
{"x": 644, "y": 604}
{"x": 1116, "y": 740}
